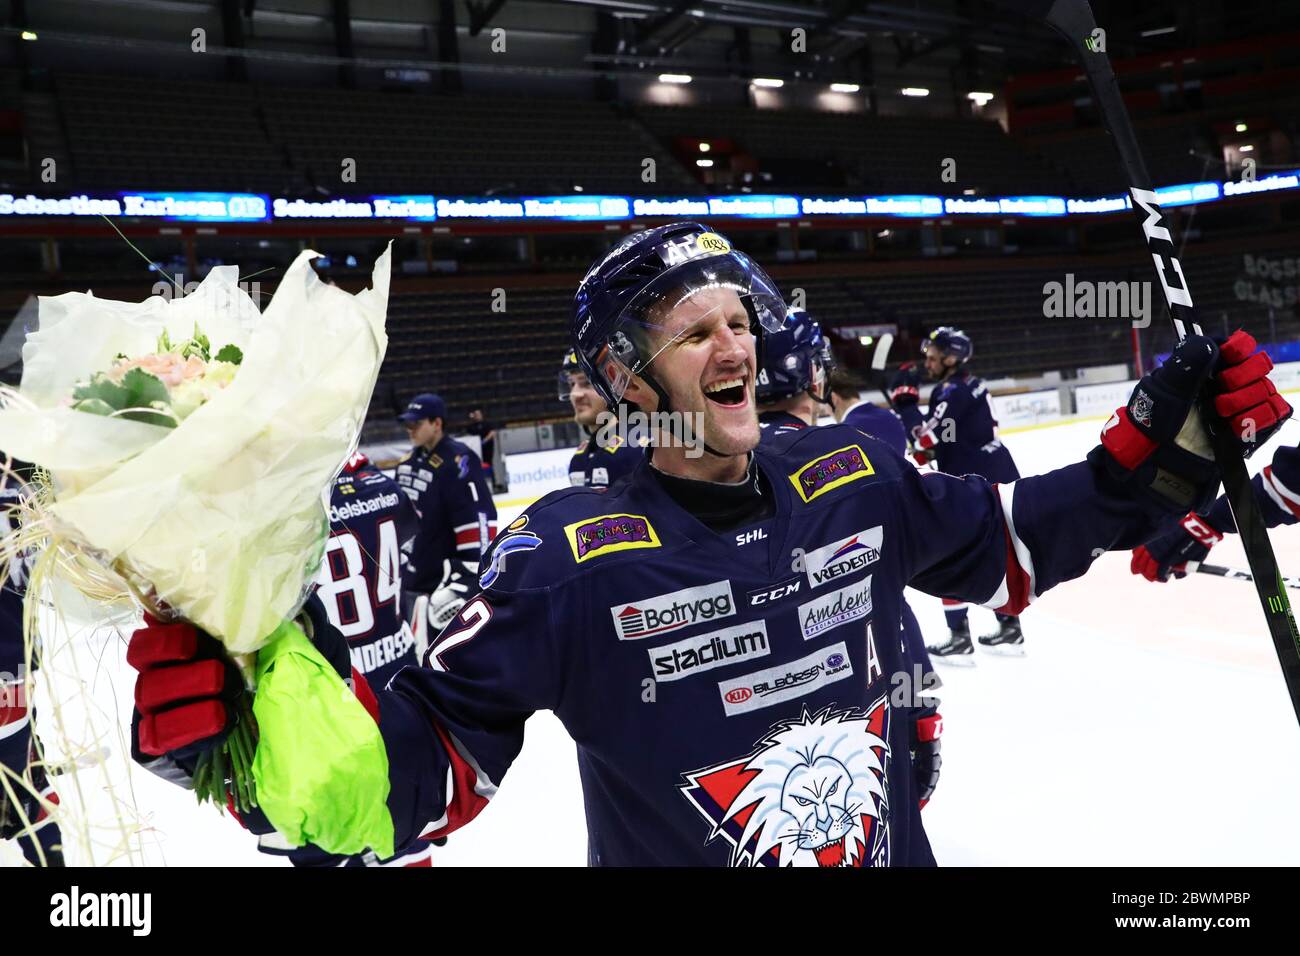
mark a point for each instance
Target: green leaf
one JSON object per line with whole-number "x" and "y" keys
{"x": 197, "y": 345}
{"x": 100, "y": 389}
{"x": 143, "y": 389}
{"x": 95, "y": 406}
{"x": 164, "y": 342}
{"x": 230, "y": 353}
{"x": 149, "y": 418}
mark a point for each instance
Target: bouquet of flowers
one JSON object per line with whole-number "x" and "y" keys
{"x": 188, "y": 445}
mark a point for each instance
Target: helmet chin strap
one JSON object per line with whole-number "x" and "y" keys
{"x": 666, "y": 406}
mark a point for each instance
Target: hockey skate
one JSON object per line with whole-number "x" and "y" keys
{"x": 957, "y": 649}
{"x": 1006, "y": 640}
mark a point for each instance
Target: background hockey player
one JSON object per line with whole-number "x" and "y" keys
{"x": 705, "y": 631}
{"x": 850, "y": 408}
{"x": 792, "y": 380}
{"x": 593, "y": 465}
{"x": 960, "y": 434}
{"x": 1277, "y": 489}
{"x": 26, "y": 793}
{"x": 444, "y": 479}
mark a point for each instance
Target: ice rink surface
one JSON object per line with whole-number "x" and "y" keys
{"x": 1146, "y": 724}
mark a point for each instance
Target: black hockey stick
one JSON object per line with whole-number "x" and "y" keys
{"x": 879, "y": 358}
{"x": 1232, "y": 573}
{"x": 1073, "y": 19}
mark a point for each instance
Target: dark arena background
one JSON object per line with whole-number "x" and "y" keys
{"x": 895, "y": 166}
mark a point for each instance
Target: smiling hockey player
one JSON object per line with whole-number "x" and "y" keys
{"x": 593, "y": 465}
{"x": 708, "y": 631}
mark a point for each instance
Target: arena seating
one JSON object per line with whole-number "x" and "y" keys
{"x": 877, "y": 154}
{"x": 138, "y": 133}
{"x": 507, "y": 363}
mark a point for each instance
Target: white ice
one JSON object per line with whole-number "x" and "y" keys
{"x": 1146, "y": 724}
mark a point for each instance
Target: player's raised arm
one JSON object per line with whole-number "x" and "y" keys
{"x": 1153, "y": 463}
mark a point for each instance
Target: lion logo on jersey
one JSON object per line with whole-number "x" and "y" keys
{"x": 813, "y": 793}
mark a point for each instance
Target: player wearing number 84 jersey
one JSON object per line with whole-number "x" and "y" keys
{"x": 360, "y": 578}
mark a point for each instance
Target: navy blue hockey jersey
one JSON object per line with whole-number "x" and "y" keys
{"x": 457, "y": 515}
{"x": 878, "y": 423}
{"x": 360, "y": 579}
{"x": 729, "y": 693}
{"x": 1277, "y": 489}
{"x": 598, "y": 466}
{"x": 778, "y": 423}
{"x": 961, "y": 430}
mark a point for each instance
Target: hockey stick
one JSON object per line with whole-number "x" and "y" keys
{"x": 1073, "y": 19}
{"x": 1233, "y": 573}
{"x": 879, "y": 358}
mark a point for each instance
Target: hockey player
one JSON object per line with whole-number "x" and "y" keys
{"x": 707, "y": 631}
{"x": 26, "y": 794}
{"x": 360, "y": 580}
{"x": 792, "y": 379}
{"x": 445, "y": 481}
{"x": 1277, "y": 489}
{"x": 960, "y": 434}
{"x": 593, "y": 465}
{"x": 850, "y": 408}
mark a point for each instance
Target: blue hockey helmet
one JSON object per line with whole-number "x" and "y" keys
{"x": 950, "y": 341}
{"x": 796, "y": 359}
{"x": 622, "y": 312}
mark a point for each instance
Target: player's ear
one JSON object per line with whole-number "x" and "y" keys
{"x": 641, "y": 395}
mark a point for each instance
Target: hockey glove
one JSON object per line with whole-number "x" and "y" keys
{"x": 1157, "y": 445}
{"x": 451, "y": 594}
{"x": 905, "y": 389}
{"x": 186, "y": 691}
{"x": 188, "y": 688}
{"x": 1170, "y": 553}
{"x": 926, "y": 731}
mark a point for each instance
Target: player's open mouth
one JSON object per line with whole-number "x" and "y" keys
{"x": 728, "y": 392}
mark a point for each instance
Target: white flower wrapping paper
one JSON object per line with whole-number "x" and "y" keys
{"x": 223, "y": 515}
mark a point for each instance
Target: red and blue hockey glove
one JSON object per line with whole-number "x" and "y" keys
{"x": 1170, "y": 553}
{"x": 926, "y": 731}
{"x": 186, "y": 690}
{"x": 905, "y": 389}
{"x": 1157, "y": 445}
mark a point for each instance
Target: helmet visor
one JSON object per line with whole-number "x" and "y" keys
{"x": 706, "y": 294}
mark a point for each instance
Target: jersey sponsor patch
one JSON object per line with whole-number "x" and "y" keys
{"x": 786, "y": 681}
{"x": 608, "y": 534}
{"x": 849, "y": 603}
{"x": 515, "y": 542}
{"x": 844, "y": 556}
{"x": 831, "y": 471}
{"x": 669, "y": 612}
{"x": 704, "y": 652}
{"x": 762, "y": 597}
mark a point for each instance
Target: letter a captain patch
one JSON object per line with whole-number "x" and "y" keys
{"x": 831, "y": 471}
